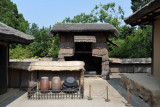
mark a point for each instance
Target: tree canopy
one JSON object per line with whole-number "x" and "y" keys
{"x": 43, "y": 45}
{"x": 101, "y": 13}
{"x": 137, "y": 4}
{"x": 10, "y": 16}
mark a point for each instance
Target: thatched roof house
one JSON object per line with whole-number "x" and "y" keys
{"x": 85, "y": 42}
{"x": 9, "y": 35}
{"x": 85, "y": 28}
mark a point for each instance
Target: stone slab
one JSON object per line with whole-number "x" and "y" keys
{"x": 143, "y": 85}
{"x": 131, "y": 60}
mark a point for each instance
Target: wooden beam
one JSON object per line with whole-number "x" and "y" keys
{"x": 147, "y": 9}
{"x": 158, "y": 10}
{"x": 113, "y": 43}
{"x": 149, "y": 19}
{"x": 3, "y": 43}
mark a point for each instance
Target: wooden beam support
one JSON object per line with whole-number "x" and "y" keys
{"x": 145, "y": 20}
{"x": 3, "y": 43}
{"x": 113, "y": 43}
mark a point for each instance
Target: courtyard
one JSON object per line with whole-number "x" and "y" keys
{"x": 117, "y": 96}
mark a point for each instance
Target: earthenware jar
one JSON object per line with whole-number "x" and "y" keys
{"x": 70, "y": 85}
{"x": 44, "y": 83}
{"x": 56, "y": 83}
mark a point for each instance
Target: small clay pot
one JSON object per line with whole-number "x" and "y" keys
{"x": 44, "y": 83}
{"x": 56, "y": 83}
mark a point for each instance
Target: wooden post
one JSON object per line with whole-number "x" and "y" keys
{"x": 128, "y": 95}
{"x": 90, "y": 98}
{"x": 151, "y": 101}
{"x": 127, "y": 104}
{"x": 107, "y": 100}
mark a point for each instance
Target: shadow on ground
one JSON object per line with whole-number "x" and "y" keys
{"x": 12, "y": 99}
{"x": 133, "y": 100}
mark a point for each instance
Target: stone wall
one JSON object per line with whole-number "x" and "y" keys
{"x": 117, "y": 65}
{"x": 134, "y": 65}
{"x": 130, "y": 68}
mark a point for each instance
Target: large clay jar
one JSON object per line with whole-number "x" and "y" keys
{"x": 56, "y": 83}
{"x": 44, "y": 83}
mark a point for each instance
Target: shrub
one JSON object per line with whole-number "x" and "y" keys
{"x": 138, "y": 45}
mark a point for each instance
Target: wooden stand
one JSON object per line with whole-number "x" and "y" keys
{"x": 127, "y": 104}
{"x": 89, "y": 98}
{"x": 107, "y": 100}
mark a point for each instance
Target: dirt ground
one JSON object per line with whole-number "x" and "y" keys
{"x": 117, "y": 96}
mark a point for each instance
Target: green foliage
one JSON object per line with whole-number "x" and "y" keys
{"x": 43, "y": 46}
{"x": 54, "y": 48}
{"x": 20, "y": 52}
{"x": 137, "y": 4}
{"x": 108, "y": 14}
{"x": 100, "y": 13}
{"x": 42, "y": 43}
{"x": 138, "y": 45}
{"x": 10, "y": 16}
{"x": 125, "y": 31}
{"x": 82, "y": 18}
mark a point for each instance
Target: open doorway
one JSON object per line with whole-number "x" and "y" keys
{"x": 83, "y": 47}
{"x": 83, "y": 52}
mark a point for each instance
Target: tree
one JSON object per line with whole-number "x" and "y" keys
{"x": 82, "y": 18}
{"x": 125, "y": 31}
{"x": 20, "y": 52}
{"x": 54, "y": 47}
{"x": 137, "y": 45}
{"x": 100, "y": 13}
{"x": 42, "y": 42}
{"x": 10, "y": 16}
{"x": 137, "y": 4}
{"x": 108, "y": 14}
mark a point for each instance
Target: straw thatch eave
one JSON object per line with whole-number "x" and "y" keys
{"x": 84, "y": 28}
{"x": 11, "y": 35}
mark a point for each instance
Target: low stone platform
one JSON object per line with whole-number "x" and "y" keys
{"x": 143, "y": 85}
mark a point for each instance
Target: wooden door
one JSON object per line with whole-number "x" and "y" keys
{"x": 3, "y": 69}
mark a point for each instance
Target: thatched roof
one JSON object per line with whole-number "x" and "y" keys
{"x": 145, "y": 15}
{"x": 11, "y": 35}
{"x": 49, "y": 66}
{"x": 84, "y": 28}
